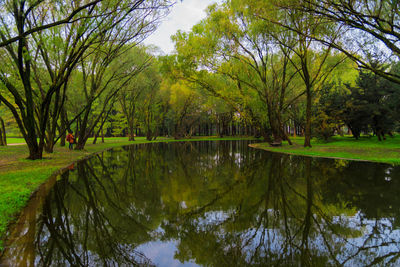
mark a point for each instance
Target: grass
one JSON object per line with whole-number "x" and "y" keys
{"x": 20, "y": 177}
{"x": 15, "y": 140}
{"x": 346, "y": 147}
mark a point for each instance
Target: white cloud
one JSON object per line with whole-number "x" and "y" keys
{"x": 183, "y": 16}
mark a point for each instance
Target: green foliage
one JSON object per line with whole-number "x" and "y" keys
{"x": 372, "y": 105}
{"x": 328, "y": 112}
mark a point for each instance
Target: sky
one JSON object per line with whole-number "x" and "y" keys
{"x": 183, "y": 16}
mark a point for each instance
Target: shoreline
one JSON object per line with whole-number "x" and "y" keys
{"x": 11, "y": 212}
{"x": 312, "y": 156}
{"x": 52, "y": 167}
{"x": 368, "y": 150}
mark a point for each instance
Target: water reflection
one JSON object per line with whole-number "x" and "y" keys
{"x": 215, "y": 204}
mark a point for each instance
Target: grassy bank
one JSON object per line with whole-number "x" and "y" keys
{"x": 20, "y": 177}
{"x": 366, "y": 148}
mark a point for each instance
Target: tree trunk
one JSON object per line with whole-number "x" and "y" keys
{"x": 49, "y": 147}
{"x": 177, "y": 132}
{"x": 307, "y": 139}
{"x": 131, "y": 131}
{"x": 3, "y": 137}
{"x": 82, "y": 136}
{"x": 62, "y": 128}
{"x": 35, "y": 152}
{"x": 149, "y": 135}
{"x": 78, "y": 122}
{"x": 274, "y": 123}
{"x": 294, "y": 129}
{"x": 155, "y": 134}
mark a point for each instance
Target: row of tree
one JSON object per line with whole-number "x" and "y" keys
{"x": 279, "y": 63}
{"x": 264, "y": 68}
{"x": 45, "y": 43}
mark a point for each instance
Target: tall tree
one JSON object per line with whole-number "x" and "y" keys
{"x": 364, "y": 21}
{"x": 32, "y": 105}
{"x": 3, "y": 137}
{"x": 26, "y": 8}
{"x": 104, "y": 74}
{"x": 185, "y": 106}
{"x": 133, "y": 92}
{"x": 233, "y": 42}
{"x": 310, "y": 59}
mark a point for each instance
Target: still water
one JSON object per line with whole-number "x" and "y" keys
{"x": 212, "y": 204}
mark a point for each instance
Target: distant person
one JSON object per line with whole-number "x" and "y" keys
{"x": 71, "y": 167}
{"x": 70, "y": 139}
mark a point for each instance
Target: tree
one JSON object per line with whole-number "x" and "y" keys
{"x": 32, "y": 106}
{"x": 57, "y": 52}
{"x": 372, "y": 104}
{"x": 223, "y": 95}
{"x": 233, "y": 42}
{"x": 3, "y": 137}
{"x": 26, "y": 9}
{"x": 310, "y": 59}
{"x": 19, "y": 53}
{"x": 104, "y": 73}
{"x": 328, "y": 111}
{"x": 366, "y": 21}
{"x": 184, "y": 107}
{"x": 141, "y": 88}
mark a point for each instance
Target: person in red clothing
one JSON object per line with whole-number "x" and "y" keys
{"x": 70, "y": 139}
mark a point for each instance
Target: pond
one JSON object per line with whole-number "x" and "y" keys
{"x": 212, "y": 204}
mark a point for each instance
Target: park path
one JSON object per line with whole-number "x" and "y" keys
{"x": 16, "y": 144}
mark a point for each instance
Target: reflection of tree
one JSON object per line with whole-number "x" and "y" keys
{"x": 89, "y": 223}
{"x": 372, "y": 189}
{"x": 248, "y": 232}
{"x": 224, "y": 204}
{"x": 284, "y": 223}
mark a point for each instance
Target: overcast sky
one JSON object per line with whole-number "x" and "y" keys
{"x": 183, "y": 16}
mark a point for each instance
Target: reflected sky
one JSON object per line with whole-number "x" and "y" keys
{"x": 162, "y": 254}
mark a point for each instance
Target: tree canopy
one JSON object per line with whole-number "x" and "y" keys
{"x": 274, "y": 69}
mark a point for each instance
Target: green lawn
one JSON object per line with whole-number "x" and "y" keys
{"x": 366, "y": 148}
{"x": 20, "y": 177}
{"x": 15, "y": 140}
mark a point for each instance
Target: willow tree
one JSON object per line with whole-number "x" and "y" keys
{"x": 139, "y": 89}
{"x": 104, "y": 73}
{"x": 186, "y": 107}
{"x": 234, "y": 42}
{"x": 41, "y": 61}
{"x": 309, "y": 57}
{"x": 23, "y": 9}
{"x": 57, "y": 52}
{"x": 372, "y": 30}
{"x": 3, "y": 137}
{"x": 28, "y": 104}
